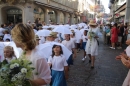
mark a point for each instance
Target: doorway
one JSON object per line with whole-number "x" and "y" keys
{"x": 11, "y": 15}
{"x": 14, "y": 15}
{"x": 14, "y": 18}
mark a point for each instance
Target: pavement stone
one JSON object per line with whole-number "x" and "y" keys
{"x": 107, "y": 71}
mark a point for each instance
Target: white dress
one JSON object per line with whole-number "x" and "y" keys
{"x": 92, "y": 45}
{"x": 41, "y": 66}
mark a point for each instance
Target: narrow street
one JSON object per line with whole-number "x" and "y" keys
{"x": 107, "y": 71}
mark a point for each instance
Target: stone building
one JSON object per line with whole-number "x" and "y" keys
{"x": 57, "y": 11}
{"x": 120, "y": 10}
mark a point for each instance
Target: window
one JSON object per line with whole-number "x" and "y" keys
{"x": 38, "y": 14}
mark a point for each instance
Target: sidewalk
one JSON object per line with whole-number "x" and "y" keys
{"x": 107, "y": 71}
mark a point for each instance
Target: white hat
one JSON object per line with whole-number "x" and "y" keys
{"x": 112, "y": 23}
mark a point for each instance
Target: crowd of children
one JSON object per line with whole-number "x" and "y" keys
{"x": 57, "y": 61}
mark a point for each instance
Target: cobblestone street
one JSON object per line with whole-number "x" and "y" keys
{"x": 107, "y": 71}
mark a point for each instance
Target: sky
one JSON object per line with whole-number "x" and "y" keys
{"x": 105, "y": 3}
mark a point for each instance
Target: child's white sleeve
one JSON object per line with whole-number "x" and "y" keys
{"x": 65, "y": 62}
{"x": 50, "y": 59}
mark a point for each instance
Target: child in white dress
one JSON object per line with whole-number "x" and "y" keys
{"x": 9, "y": 54}
{"x": 59, "y": 66}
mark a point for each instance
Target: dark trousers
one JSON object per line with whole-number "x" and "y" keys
{"x": 108, "y": 40}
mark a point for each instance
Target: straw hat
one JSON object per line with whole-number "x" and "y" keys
{"x": 72, "y": 31}
{"x": 92, "y": 22}
{"x": 53, "y": 34}
{"x": 37, "y": 37}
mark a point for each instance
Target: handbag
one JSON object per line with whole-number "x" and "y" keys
{"x": 108, "y": 34}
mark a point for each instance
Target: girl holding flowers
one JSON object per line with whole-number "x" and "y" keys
{"x": 92, "y": 43}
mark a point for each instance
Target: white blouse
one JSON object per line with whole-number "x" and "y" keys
{"x": 41, "y": 66}
{"x": 58, "y": 62}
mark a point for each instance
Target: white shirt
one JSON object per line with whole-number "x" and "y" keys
{"x": 10, "y": 59}
{"x": 69, "y": 44}
{"x": 73, "y": 39}
{"x": 78, "y": 40}
{"x": 1, "y": 31}
{"x": 58, "y": 62}
{"x": 84, "y": 38}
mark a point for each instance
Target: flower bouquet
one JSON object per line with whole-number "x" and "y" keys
{"x": 15, "y": 73}
{"x": 92, "y": 35}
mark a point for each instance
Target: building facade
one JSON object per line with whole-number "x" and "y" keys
{"x": 120, "y": 10}
{"x": 56, "y": 11}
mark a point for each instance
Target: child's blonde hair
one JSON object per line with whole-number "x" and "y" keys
{"x": 11, "y": 49}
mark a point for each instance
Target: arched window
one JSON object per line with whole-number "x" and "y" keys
{"x": 38, "y": 14}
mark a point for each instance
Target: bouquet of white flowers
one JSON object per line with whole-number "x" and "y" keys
{"x": 15, "y": 73}
{"x": 92, "y": 35}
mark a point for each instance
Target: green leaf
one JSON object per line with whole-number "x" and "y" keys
{"x": 4, "y": 62}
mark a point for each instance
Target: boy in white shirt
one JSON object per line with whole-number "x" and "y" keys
{"x": 71, "y": 46}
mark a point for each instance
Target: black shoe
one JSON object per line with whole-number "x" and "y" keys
{"x": 89, "y": 61}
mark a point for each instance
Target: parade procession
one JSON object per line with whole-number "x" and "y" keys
{"x": 64, "y": 43}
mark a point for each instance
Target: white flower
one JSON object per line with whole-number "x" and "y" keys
{"x": 23, "y": 70}
{"x": 12, "y": 66}
{"x": 20, "y": 75}
{"x": 16, "y": 65}
{"x": 13, "y": 79}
